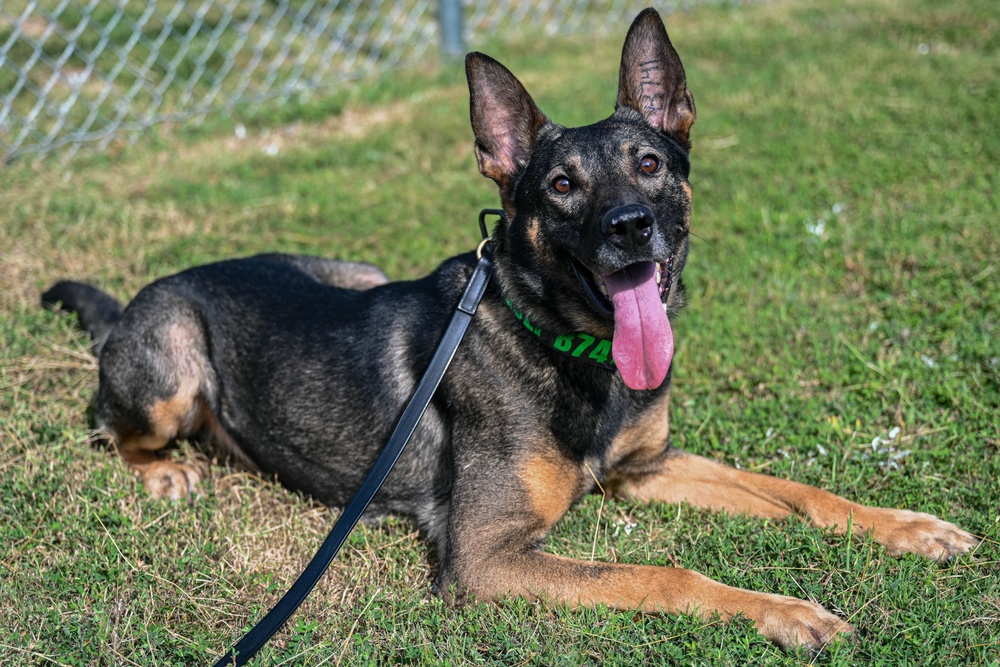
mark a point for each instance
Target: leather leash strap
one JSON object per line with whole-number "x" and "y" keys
{"x": 267, "y": 626}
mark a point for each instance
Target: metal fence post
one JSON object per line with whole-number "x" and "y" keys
{"x": 452, "y": 41}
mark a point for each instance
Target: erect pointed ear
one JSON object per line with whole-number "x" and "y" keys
{"x": 652, "y": 79}
{"x": 505, "y": 119}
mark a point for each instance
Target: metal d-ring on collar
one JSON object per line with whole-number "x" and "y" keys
{"x": 466, "y": 308}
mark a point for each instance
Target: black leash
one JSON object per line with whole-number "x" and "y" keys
{"x": 466, "y": 308}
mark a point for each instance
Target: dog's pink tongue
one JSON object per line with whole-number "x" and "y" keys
{"x": 643, "y": 344}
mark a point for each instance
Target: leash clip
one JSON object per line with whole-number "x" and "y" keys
{"x": 482, "y": 220}
{"x": 482, "y": 247}
{"x": 487, "y": 239}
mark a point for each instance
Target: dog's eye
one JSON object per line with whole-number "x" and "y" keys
{"x": 649, "y": 164}
{"x": 562, "y": 185}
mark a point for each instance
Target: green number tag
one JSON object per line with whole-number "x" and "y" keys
{"x": 588, "y": 340}
{"x": 574, "y": 344}
{"x": 563, "y": 343}
{"x": 601, "y": 352}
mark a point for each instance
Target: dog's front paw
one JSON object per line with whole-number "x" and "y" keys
{"x": 169, "y": 479}
{"x": 903, "y": 531}
{"x": 793, "y": 623}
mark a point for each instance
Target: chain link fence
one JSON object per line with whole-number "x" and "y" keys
{"x": 75, "y": 74}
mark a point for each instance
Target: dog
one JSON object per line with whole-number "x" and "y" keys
{"x": 299, "y": 367}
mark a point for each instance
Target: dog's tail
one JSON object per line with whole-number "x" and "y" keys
{"x": 97, "y": 311}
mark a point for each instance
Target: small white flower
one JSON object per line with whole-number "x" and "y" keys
{"x": 241, "y": 131}
{"x": 894, "y": 432}
{"x": 923, "y": 49}
{"x": 628, "y": 526}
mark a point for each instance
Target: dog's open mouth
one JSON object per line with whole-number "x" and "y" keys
{"x": 635, "y": 297}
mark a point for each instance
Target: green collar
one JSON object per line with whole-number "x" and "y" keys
{"x": 579, "y": 345}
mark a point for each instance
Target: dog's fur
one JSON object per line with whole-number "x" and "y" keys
{"x": 299, "y": 367}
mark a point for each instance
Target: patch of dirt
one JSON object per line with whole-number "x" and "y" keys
{"x": 34, "y": 26}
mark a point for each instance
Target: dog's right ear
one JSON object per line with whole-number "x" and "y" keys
{"x": 505, "y": 119}
{"x": 652, "y": 79}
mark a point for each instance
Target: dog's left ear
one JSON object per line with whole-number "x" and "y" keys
{"x": 505, "y": 119}
{"x": 652, "y": 79}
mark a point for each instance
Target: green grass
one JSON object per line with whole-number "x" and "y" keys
{"x": 799, "y": 347}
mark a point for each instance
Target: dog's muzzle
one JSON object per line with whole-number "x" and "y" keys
{"x": 628, "y": 227}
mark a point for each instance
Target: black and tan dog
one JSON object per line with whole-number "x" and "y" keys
{"x": 300, "y": 366}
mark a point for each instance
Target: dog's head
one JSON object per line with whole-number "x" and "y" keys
{"x": 597, "y": 221}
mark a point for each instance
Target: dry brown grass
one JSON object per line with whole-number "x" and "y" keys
{"x": 94, "y": 572}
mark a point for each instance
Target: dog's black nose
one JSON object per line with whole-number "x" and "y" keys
{"x": 628, "y": 227}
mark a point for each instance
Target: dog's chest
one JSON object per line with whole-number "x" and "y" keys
{"x": 622, "y": 425}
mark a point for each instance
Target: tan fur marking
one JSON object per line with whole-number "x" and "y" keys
{"x": 162, "y": 478}
{"x": 141, "y": 443}
{"x": 788, "y": 621}
{"x": 688, "y": 478}
{"x": 645, "y": 439}
{"x": 175, "y": 416}
{"x": 552, "y": 485}
{"x": 534, "y": 227}
{"x": 687, "y": 190}
{"x": 167, "y": 417}
{"x": 178, "y": 416}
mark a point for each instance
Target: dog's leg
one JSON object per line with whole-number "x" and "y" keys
{"x": 499, "y": 517}
{"x": 787, "y": 621}
{"x": 154, "y": 375}
{"x": 675, "y": 476}
{"x": 184, "y": 415}
{"x": 181, "y": 415}
{"x": 163, "y": 478}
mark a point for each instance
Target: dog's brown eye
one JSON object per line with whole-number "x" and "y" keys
{"x": 562, "y": 185}
{"x": 649, "y": 164}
